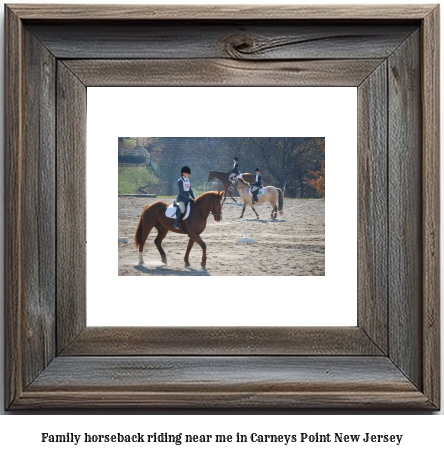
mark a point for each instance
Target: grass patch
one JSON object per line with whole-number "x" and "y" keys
{"x": 132, "y": 179}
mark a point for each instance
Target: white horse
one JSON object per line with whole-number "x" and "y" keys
{"x": 271, "y": 195}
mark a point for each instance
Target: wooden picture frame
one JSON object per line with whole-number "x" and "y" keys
{"x": 390, "y": 360}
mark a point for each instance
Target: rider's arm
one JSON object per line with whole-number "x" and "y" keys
{"x": 182, "y": 194}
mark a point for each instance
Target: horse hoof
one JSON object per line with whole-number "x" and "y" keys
{"x": 141, "y": 263}
{"x": 204, "y": 266}
{"x": 164, "y": 261}
{"x": 187, "y": 265}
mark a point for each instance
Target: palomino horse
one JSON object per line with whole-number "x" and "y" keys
{"x": 223, "y": 177}
{"x": 153, "y": 216}
{"x": 271, "y": 195}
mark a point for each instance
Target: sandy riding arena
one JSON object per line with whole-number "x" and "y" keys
{"x": 291, "y": 245}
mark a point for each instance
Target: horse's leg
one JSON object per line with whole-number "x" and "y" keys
{"x": 162, "y": 232}
{"x": 187, "y": 254}
{"x": 243, "y": 210}
{"x": 145, "y": 232}
{"x": 198, "y": 239}
{"x": 273, "y": 204}
{"x": 233, "y": 198}
{"x": 225, "y": 194}
{"x": 254, "y": 210}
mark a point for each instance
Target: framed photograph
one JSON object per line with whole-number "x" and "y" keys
{"x": 254, "y": 252}
{"x": 57, "y": 55}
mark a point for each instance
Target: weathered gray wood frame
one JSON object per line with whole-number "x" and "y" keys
{"x": 390, "y": 360}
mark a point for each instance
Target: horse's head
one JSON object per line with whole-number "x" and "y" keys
{"x": 217, "y": 211}
{"x": 211, "y": 203}
{"x": 210, "y": 175}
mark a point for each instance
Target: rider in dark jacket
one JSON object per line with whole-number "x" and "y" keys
{"x": 255, "y": 186}
{"x": 235, "y": 171}
{"x": 186, "y": 194}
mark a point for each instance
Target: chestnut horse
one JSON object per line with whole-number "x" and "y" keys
{"x": 153, "y": 216}
{"x": 223, "y": 177}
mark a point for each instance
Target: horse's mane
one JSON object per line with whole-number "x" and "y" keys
{"x": 217, "y": 171}
{"x": 245, "y": 182}
{"x": 207, "y": 195}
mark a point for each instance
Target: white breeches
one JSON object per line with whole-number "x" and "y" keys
{"x": 181, "y": 205}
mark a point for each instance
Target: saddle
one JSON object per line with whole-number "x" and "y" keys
{"x": 260, "y": 192}
{"x": 172, "y": 209}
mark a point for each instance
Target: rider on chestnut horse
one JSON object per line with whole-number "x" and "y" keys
{"x": 186, "y": 194}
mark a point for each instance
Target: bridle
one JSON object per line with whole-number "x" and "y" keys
{"x": 210, "y": 211}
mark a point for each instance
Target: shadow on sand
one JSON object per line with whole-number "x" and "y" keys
{"x": 165, "y": 271}
{"x": 263, "y": 221}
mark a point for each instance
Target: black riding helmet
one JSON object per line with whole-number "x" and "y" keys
{"x": 257, "y": 169}
{"x": 185, "y": 169}
{"x": 235, "y": 158}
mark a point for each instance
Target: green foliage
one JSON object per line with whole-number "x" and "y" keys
{"x": 128, "y": 143}
{"x": 133, "y": 179}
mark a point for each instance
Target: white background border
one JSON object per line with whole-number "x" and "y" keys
{"x": 329, "y": 300}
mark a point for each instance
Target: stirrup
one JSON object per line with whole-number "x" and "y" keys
{"x": 176, "y": 225}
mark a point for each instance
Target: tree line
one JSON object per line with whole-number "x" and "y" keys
{"x": 296, "y": 163}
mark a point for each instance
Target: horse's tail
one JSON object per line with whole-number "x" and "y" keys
{"x": 138, "y": 235}
{"x": 281, "y": 201}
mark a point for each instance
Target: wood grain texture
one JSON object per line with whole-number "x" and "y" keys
{"x": 218, "y": 72}
{"x": 260, "y": 40}
{"x": 431, "y": 205}
{"x": 372, "y": 207}
{"x": 209, "y": 373}
{"x": 234, "y": 382}
{"x": 258, "y": 401}
{"x": 127, "y": 341}
{"x": 39, "y": 234}
{"x": 71, "y": 206}
{"x": 405, "y": 209}
{"x": 94, "y": 376}
{"x": 13, "y": 209}
{"x": 220, "y": 12}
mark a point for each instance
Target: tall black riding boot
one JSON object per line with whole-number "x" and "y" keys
{"x": 179, "y": 216}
